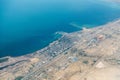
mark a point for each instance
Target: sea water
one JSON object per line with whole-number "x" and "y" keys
{"x": 29, "y": 25}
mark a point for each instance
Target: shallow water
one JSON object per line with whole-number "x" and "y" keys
{"x": 29, "y": 25}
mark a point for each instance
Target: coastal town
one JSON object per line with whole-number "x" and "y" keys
{"x": 89, "y": 54}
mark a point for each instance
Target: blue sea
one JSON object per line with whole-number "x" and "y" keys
{"x": 29, "y": 25}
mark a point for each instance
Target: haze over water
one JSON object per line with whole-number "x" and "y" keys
{"x": 29, "y": 25}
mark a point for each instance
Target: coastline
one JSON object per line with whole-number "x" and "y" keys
{"x": 62, "y": 35}
{"x": 85, "y": 37}
{"x": 65, "y": 33}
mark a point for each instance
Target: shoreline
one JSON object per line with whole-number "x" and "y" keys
{"x": 91, "y": 40}
{"x": 63, "y": 34}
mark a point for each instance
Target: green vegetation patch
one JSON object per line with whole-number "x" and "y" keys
{"x": 85, "y": 62}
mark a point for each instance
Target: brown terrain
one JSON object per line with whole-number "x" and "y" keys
{"x": 89, "y": 54}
